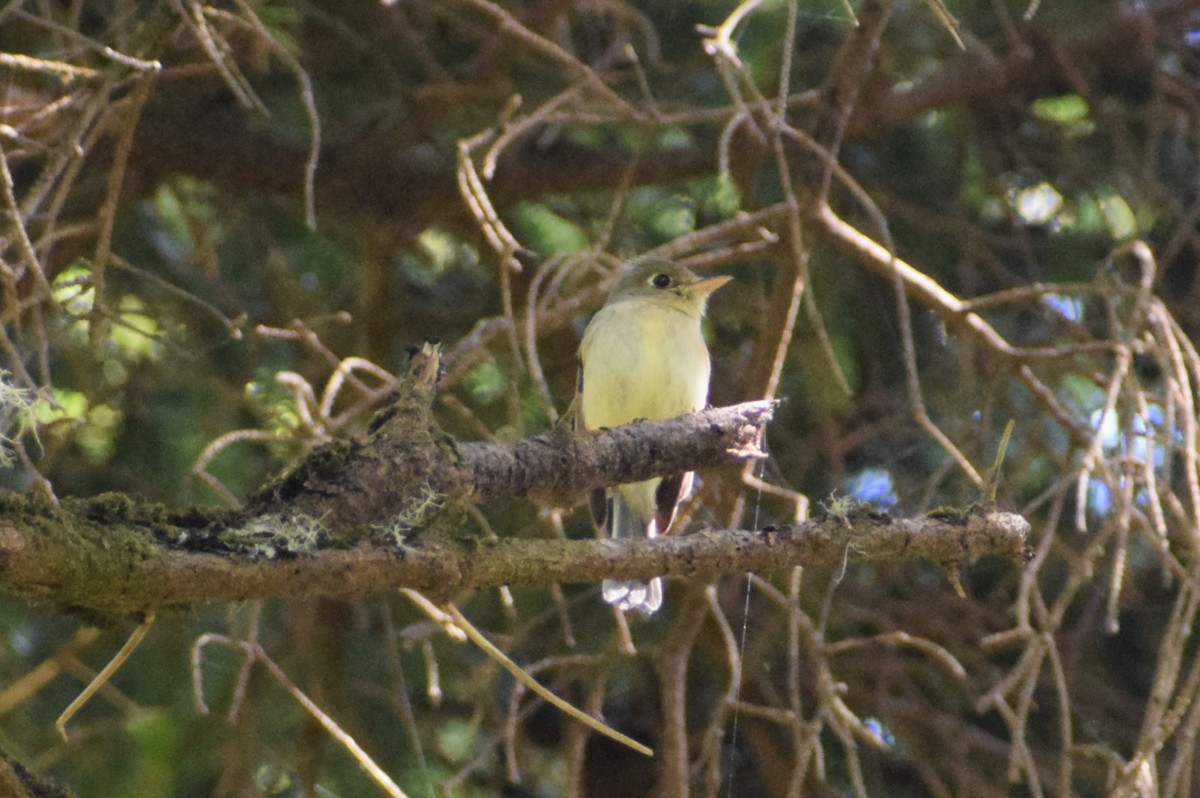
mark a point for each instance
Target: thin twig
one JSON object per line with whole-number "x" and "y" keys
{"x": 518, "y": 673}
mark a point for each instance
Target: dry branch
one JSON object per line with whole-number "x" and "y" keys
{"x": 395, "y": 490}
{"x": 112, "y": 569}
{"x": 556, "y": 464}
{"x": 404, "y": 461}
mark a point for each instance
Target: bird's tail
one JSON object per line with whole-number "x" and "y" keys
{"x": 644, "y": 597}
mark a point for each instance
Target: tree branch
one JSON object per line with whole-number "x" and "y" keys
{"x": 195, "y": 132}
{"x": 1117, "y": 48}
{"x": 394, "y": 490}
{"x": 405, "y": 466}
{"x": 383, "y": 510}
{"x": 558, "y": 465}
{"x": 113, "y": 569}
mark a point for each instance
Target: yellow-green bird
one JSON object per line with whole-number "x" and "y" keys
{"x": 643, "y": 356}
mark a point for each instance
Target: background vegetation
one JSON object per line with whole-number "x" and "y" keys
{"x": 225, "y": 223}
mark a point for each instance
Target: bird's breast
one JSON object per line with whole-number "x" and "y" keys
{"x": 642, "y": 361}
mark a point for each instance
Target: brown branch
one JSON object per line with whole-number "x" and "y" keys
{"x": 198, "y": 135}
{"x": 16, "y": 781}
{"x": 557, "y": 465}
{"x": 1114, "y": 47}
{"x": 84, "y": 557}
{"x": 190, "y": 129}
{"x": 674, "y": 759}
{"x": 405, "y": 466}
{"x": 398, "y": 491}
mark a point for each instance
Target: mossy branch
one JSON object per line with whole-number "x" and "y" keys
{"x": 404, "y": 458}
{"x": 109, "y": 569}
{"x": 381, "y": 511}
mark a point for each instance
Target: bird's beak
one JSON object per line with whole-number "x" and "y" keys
{"x": 706, "y": 287}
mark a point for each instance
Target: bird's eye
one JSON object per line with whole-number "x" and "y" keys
{"x": 661, "y": 281}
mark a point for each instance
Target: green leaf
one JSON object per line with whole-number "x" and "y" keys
{"x": 547, "y": 232}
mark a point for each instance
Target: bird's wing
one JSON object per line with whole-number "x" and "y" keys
{"x": 598, "y": 498}
{"x": 670, "y": 492}
{"x": 598, "y": 503}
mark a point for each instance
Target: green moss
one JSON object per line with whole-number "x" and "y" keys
{"x": 275, "y": 536}
{"x": 949, "y": 515}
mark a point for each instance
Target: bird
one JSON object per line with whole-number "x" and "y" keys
{"x": 643, "y": 356}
